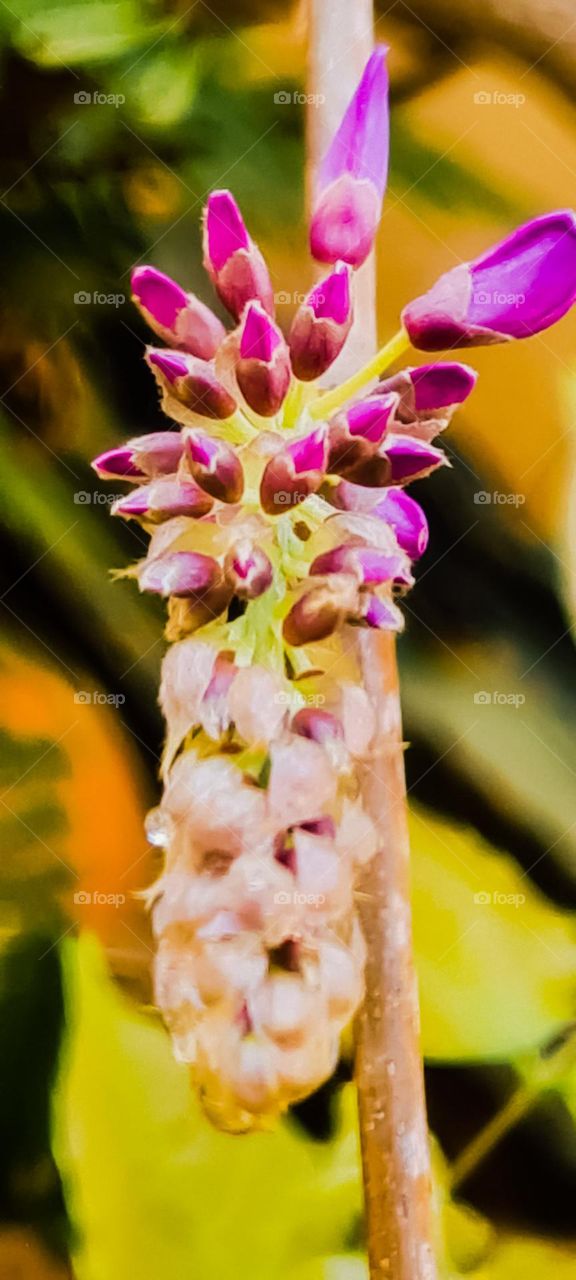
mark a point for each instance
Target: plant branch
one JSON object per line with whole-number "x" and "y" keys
{"x": 395, "y": 1156}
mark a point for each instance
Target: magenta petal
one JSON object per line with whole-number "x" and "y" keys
{"x": 360, "y": 144}
{"x": 439, "y": 386}
{"x": 259, "y": 336}
{"x": 372, "y": 567}
{"x": 352, "y": 176}
{"x": 170, "y": 364}
{"x": 309, "y": 453}
{"x": 158, "y": 294}
{"x": 225, "y": 229}
{"x": 521, "y": 286}
{"x": 406, "y": 518}
{"x": 369, "y": 418}
{"x": 117, "y": 464}
{"x": 411, "y": 459}
{"x": 330, "y": 299}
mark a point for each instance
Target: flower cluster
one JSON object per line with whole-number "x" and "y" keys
{"x": 278, "y": 515}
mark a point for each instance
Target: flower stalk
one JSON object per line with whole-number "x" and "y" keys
{"x": 389, "y": 1073}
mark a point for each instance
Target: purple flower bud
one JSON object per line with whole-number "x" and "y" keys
{"x": 163, "y": 499}
{"x": 411, "y": 459}
{"x": 248, "y": 570}
{"x": 321, "y": 610}
{"x": 355, "y": 434}
{"x": 381, "y": 614}
{"x": 232, "y": 260}
{"x": 521, "y": 286}
{"x": 406, "y": 518}
{"x": 320, "y": 726}
{"x": 263, "y": 369}
{"x": 352, "y": 176}
{"x": 321, "y": 325}
{"x": 180, "y": 318}
{"x": 215, "y": 466}
{"x": 402, "y": 458}
{"x": 155, "y": 454}
{"x": 191, "y": 381}
{"x": 294, "y": 472}
{"x": 117, "y": 464}
{"x": 370, "y": 566}
{"x": 180, "y": 573}
{"x": 429, "y": 395}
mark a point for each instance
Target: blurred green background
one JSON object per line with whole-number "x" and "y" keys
{"x": 117, "y": 119}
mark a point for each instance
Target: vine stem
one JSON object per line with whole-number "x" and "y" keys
{"x": 393, "y": 1132}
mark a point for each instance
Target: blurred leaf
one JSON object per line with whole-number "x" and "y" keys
{"x": 527, "y": 1258}
{"x": 496, "y": 961}
{"x": 85, "y": 32}
{"x": 71, "y": 806}
{"x": 200, "y": 1203}
{"x": 506, "y": 722}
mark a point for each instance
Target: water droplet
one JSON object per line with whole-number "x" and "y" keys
{"x": 159, "y": 828}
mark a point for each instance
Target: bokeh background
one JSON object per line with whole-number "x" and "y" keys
{"x": 117, "y": 119}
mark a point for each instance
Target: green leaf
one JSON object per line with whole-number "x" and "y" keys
{"x": 83, "y": 33}
{"x": 155, "y": 1191}
{"x": 496, "y": 961}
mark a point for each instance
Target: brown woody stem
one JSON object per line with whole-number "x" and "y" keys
{"x": 395, "y": 1155}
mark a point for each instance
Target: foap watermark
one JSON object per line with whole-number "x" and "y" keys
{"x": 297, "y": 899}
{"x": 484, "y": 698}
{"x": 284, "y": 97}
{"x": 95, "y": 898}
{"x": 294, "y": 299}
{"x": 483, "y": 498}
{"x": 90, "y": 697}
{"x": 498, "y": 298}
{"x": 498, "y": 899}
{"x": 498, "y": 98}
{"x": 289, "y": 698}
{"x": 85, "y": 498}
{"x": 94, "y": 97}
{"x": 285, "y": 499}
{"x": 85, "y": 298}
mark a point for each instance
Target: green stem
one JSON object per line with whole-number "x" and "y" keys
{"x": 386, "y": 356}
{"x": 479, "y": 1148}
{"x": 544, "y": 1074}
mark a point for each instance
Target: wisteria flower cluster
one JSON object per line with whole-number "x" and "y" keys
{"x": 279, "y": 520}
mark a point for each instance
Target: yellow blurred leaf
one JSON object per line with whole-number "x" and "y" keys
{"x": 496, "y": 961}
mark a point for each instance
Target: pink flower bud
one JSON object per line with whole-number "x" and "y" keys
{"x": 263, "y": 368}
{"x": 294, "y": 472}
{"x": 352, "y": 176}
{"x": 370, "y": 566}
{"x": 401, "y": 458}
{"x": 429, "y": 395}
{"x": 215, "y": 466}
{"x": 381, "y": 614}
{"x": 321, "y": 325}
{"x": 155, "y": 454}
{"x": 355, "y": 434}
{"x": 179, "y": 573}
{"x": 406, "y": 518}
{"x": 191, "y": 381}
{"x": 232, "y": 260}
{"x": 248, "y": 570}
{"x": 321, "y": 610}
{"x": 180, "y": 318}
{"x": 519, "y": 287}
{"x": 162, "y": 500}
